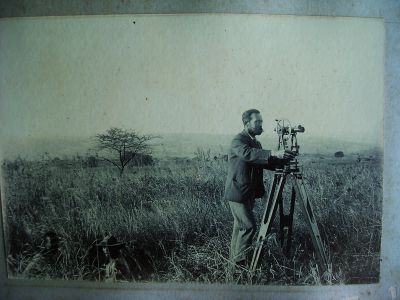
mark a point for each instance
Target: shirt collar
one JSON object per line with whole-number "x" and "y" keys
{"x": 253, "y": 138}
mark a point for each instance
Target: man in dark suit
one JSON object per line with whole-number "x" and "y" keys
{"x": 244, "y": 183}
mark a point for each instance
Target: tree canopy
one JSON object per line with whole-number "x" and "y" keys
{"x": 125, "y": 144}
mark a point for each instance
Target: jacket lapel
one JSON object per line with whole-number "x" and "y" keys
{"x": 252, "y": 142}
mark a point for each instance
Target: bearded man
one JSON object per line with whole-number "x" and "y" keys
{"x": 244, "y": 183}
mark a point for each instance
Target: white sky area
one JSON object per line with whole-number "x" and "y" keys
{"x": 78, "y": 76}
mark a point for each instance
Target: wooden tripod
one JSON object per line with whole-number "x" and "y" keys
{"x": 289, "y": 172}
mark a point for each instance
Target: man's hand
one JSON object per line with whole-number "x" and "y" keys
{"x": 283, "y": 154}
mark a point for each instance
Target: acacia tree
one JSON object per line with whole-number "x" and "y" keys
{"x": 124, "y": 144}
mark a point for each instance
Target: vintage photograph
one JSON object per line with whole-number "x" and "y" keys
{"x": 230, "y": 149}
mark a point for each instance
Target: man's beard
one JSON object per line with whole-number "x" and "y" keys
{"x": 255, "y": 131}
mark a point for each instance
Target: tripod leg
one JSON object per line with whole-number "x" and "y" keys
{"x": 290, "y": 222}
{"x": 287, "y": 224}
{"x": 268, "y": 217}
{"x": 282, "y": 221}
{"x": 309, "y": 214}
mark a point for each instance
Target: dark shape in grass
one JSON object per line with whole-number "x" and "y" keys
{"x": 47, "y": 257}
{"x": 339, "y": 154}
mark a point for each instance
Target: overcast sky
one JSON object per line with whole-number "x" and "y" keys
{"x": 78, "y": 76}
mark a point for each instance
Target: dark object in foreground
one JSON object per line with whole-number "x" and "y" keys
{"x": 106, "y": 254}
{"x": 48, "y": 256}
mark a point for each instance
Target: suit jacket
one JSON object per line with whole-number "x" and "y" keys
{"x": 246, "y": 161}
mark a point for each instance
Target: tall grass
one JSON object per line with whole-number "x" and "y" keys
{"x": 177, "y": 227}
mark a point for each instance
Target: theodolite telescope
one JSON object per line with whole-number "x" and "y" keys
{"x": 287, "y": 135}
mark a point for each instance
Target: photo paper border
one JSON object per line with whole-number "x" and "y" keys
{"x": 389, "y": 285}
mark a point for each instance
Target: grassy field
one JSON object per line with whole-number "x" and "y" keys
{"x": 177, "y": 227}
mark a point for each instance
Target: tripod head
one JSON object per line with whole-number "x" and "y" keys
{"x": 287, "y": 135}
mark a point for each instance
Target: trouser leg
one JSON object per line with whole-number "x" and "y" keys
{"x": 235, "y": 234}
{"x": 244, "y": 229}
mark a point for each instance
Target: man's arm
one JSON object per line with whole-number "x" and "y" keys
{"x": 269, "y": 159}
{"x": 248, "y": 153}
{"x": 274, "y": 163}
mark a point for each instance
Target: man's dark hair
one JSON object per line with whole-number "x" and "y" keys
{"x": 246, "y": 116}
